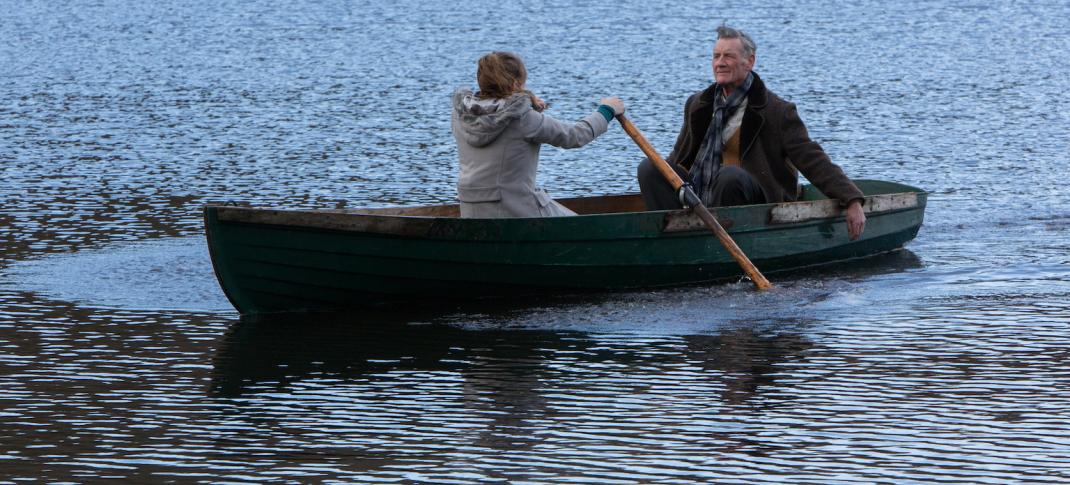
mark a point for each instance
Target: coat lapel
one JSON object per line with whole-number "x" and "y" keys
{"x": 699, "y": 120}
{"x": 753, "y": 120}
{"x": 748, "y": 131}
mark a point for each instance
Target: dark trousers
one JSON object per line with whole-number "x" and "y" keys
{"x": 731, "y": 186}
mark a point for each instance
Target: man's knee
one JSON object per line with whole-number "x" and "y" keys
{"x": 649, "y": 176}
{"x": 735, "y": 186}
{"x": 732, "y": 176}
{"x": 657, "y": 193}
{"x": 646, "y": 170}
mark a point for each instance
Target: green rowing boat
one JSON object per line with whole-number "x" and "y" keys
{"x": 270, "y": 260}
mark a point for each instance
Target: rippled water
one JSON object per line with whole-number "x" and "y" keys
{"x": 119, "y": 357}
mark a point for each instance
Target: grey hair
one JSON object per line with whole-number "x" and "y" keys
{"x": 726, "y": 32}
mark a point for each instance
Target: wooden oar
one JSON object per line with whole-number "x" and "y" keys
{"x": 696, "y": 205}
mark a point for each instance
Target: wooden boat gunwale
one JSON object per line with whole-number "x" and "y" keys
{"x": 417, "y": 220}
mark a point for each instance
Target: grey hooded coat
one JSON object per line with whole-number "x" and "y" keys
{"x": 498, "y": 141}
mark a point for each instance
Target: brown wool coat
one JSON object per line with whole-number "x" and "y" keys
{"x": 774, "y": 143}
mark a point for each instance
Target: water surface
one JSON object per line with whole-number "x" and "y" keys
{"x": 119, "y": 357}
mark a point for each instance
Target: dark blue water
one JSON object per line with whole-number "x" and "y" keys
{"x": 119, "y": 357}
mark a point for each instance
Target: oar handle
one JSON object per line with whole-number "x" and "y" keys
{"x": 703, "y": 213}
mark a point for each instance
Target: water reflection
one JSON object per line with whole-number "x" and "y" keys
{"x": 502, "y": 369}
{"x": 500, "y": 373}
{"x": 746, "y": 358}
{"x": 507, "y": 390}
{"x": 270, "y": 352}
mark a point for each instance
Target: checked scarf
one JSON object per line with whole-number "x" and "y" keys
{"x": 708, "y": 161}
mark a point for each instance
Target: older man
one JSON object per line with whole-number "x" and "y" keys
{"x": 741, "y": 144}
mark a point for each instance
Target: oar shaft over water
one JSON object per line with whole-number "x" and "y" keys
{"x": 703, "y": 213}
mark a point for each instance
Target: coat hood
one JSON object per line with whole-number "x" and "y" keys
{"x": 481, "y": 121}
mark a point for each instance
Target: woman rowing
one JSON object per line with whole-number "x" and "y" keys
{"x": 499, "y": 131}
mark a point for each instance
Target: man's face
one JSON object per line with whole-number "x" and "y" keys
{"x": 730, "y": 67}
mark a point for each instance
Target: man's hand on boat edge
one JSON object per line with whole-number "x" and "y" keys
{"x": 856, "y": 219}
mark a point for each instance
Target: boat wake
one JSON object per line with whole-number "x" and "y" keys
{"x": 167, "y": 274}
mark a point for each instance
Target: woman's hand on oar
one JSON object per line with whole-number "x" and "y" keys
{"x": 686, "y": 194}
{"x": 615, "y": 103}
